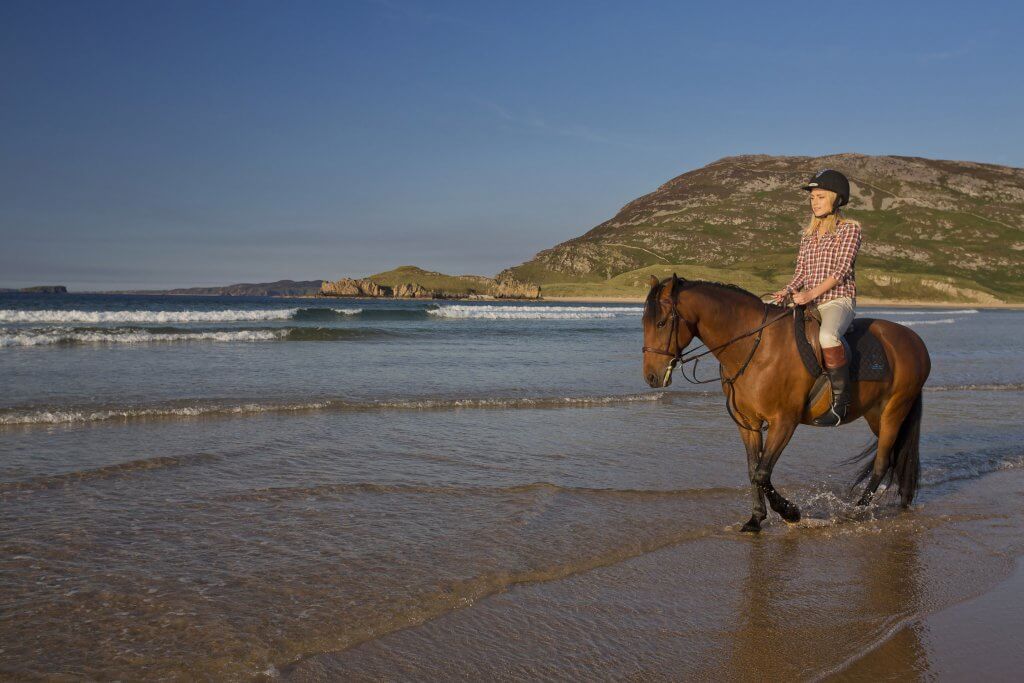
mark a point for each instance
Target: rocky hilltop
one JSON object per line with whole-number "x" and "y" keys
{"x": 934, "y": 230}
{"x": 416, "y": 283}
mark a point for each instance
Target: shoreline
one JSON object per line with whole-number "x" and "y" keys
{"x": 870, "y": 302}
{"x": 972, "y": 638}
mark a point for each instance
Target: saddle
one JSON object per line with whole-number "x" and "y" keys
{"x": 867, "y": 359}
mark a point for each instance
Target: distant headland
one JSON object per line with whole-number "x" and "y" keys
{"x": 39, "y": 289}
{"x": 405, "y": 282}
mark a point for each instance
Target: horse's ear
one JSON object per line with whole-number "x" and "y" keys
{"x": 654, "y": 282}
{"x": 675, "y": 279}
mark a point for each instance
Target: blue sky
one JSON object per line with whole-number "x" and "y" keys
{"x": 158, "y": 144}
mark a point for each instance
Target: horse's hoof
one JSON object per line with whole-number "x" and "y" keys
{"x": 864, "y": 501}
{"x": 752, "y": 526}
{"x": 790, "y": 514}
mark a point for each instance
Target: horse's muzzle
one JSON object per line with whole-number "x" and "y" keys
{"x": 659, "y": 381}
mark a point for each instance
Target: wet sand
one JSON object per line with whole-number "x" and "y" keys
{"x": 918, "y": 595}
{"x": 974, "y": 640}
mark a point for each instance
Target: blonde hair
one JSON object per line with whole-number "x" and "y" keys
{"x": 829, "y": 223}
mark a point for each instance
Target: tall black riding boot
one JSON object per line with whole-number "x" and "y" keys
{"x": 840, "y": 379}
{"x": 838, "y": 370}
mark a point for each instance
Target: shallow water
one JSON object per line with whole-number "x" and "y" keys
{"x": 224, "y": 487}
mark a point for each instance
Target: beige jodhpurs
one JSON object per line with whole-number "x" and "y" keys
{"x": 836, "y": 317}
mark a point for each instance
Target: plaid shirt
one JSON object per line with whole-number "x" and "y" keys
{"x": 832, "y": 254}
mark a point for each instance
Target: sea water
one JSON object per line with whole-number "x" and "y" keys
{"x": 229, "y": 487}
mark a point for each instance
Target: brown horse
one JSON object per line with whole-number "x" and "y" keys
{"x": 767, "y": 386}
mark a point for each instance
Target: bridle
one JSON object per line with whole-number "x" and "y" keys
{"x": 680, "y": 359}
{"x": 676, "y": 356}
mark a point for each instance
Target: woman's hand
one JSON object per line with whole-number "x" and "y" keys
{"x": 802, "y": 298}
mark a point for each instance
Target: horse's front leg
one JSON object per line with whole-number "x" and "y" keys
{"x": 753, "y": 443}
{"x": 780, "y": 431}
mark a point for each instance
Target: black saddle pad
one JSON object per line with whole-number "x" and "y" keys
{"x": 868, "y": 362}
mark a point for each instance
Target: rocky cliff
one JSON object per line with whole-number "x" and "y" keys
{"x": 948, "y": 230}
{"x": 348, "y": 287}
{"x": 413, "y": 282}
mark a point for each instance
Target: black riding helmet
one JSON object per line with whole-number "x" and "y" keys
{"x": 828, "y": 179}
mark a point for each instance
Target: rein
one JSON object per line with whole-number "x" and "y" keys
{"x": 681, "y": 359}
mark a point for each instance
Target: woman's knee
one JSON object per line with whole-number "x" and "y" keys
{"x": 828, "y": 338}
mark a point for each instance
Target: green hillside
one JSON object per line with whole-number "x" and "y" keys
{"x": 438, "y": 282}
{"x": 934, "y": 230}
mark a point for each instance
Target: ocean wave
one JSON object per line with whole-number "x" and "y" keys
{"x": 158, "y": 317}
{"x": 324, "y": 314}
{"x": 912, "y": 323}
{"x": 72, "y": 337}
{"x": 277, "y": 493}
{"x": 1008, "y": 386}
{"x": 871, "y": 311}
{"x": 52, "y": 415}
{"x": 62, "y": 479}
{"x": 533, "y": 312}
{"x": 964, "y": 465}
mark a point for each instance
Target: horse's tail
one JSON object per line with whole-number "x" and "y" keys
{"x": 905, "y": 461}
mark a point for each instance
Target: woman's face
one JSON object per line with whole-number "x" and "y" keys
{"x": 821, "y": 202}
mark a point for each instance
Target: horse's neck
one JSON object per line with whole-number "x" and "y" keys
{"x": 722, "y": 316}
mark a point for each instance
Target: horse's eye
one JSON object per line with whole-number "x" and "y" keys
{"x": 661, "y": 324}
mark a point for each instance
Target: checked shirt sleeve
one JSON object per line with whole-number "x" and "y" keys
{"x": 799, "y": 272}
{"x": 846, "y": 250}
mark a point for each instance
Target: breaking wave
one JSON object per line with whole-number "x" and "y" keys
{"x": 912, "y": 323}
{"x": 534, "y": 312}
{"x": 162, "y": 317}
{"x": 45, "y": 415}
{"x": 72, "y": 337}
{"x": 871, "y": 311}
{"x": 163, "y": 335}
{"x": 1008, "y": 386}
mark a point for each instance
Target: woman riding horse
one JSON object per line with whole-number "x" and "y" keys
{"x": 766, "y": 385}
{"x": 825, "y": 275}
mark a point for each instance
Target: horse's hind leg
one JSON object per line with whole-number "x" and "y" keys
{"x": 886, "y": 427}
{"x": 753, "y": 443}
{"x": 779, "y": 434}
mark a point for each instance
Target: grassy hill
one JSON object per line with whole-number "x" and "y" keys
{"x": 438, "y": 282}
{"x": 934, "y": 230}
{"x": 456, "y": 285}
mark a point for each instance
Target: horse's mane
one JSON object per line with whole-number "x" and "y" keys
{"x": 651, "y": 305}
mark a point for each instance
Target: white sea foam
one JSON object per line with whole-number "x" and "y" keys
{"x": 153, "y": 317}
{"x": 911, "y": 323}
{"x": 64, "y": 336}
{"x": 70, "y": 416}
{"x": 534, "y": 312}
{"x": 73, "y": 414}
{"x": 871, "y": 312}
